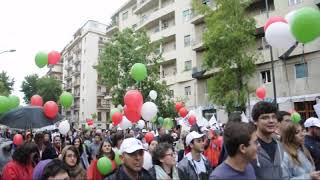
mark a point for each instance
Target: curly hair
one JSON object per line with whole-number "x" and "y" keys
{"x": 160, "y": 152}
{"x": 262, "y": 107}
{"x": 23, "y": 152}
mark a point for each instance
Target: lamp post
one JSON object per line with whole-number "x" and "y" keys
{"x": 11, "y": 50}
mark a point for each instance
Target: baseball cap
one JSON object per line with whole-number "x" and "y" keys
{"x": 130, "y": 145}
{"x": 312, "y": 121}
{"x": 191, "y": 136}
{"x": 144, "y": 131}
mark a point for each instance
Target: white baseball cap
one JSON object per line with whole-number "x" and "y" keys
{"x": 130, "y": 145}
{"x": 312, "y": 121}
{"x": 191, "y": 136}
{"x": 144, "y": 131}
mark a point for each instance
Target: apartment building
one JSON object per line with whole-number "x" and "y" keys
{"x": 297, "y": 79}
{"x": 81, "y": 79}
{"x": 55, "y": 71}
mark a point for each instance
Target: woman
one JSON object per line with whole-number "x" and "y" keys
{"x": 297, "y": 162}
{"x": 105, "y": 150}
{"x": 117, "y": 139}
{"x": 164, "y": 163}
{"x": 71, "y": 157}
{"x": 152, "y": 146}
{"x": 84, "y": 153}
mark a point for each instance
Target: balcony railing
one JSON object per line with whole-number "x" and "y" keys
{"x": 99, "y": 93}
{"x": 103, "y": 106}
{"x": 198, "y": 72}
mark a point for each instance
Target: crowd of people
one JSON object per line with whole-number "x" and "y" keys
{"x": 270, "y": 146}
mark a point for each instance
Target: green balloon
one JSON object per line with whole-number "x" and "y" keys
{"x": 138, "y": 72}
{"x": 117, "y": 159}
{"x": 66, "y": 99}
{"x": 4, "y": 104}
{"x": 87, "y": 127}
{"x": 113, "y": 111}
{"x": 295, "y": 117}
{"x": 14, "y": 102}
{"x": 41, "y": 59}
{"x": 160, "y": 120}
{"x": 305, "y": 24}
{"x": 154, "y": 119}
{"x": 168, "y": 123}
{"x": 104, "y": 166}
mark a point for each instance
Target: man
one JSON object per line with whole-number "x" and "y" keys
{"x": 284, "y": 118}
{"x": 194, "y": 165}
{"x": 268, "y": 163}
{"x": 161, "y": 132}
{"x": 241, "y": 143}
{"x": 132, "y": 152}
{"x": 94, "y": 147}
{"x": 51, "y": 152}
{"x": 311, "y": 140}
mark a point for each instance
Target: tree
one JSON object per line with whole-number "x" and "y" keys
{"x": 29, "y": 87}
{"x": 229, "y": 41}
{"x": 119, "y": 54}
{"x": 6, "y": 84}
{"x": 49, "y": 89}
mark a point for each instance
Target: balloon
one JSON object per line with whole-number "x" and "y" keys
{"x": 295, "y": 117}
{"x": 89, "y": 121}
{"x": 133, "y": 115}
{"x": 36, "y": 100}
{"x": 41, "y": 59}
{"x": 53, "y": 57}
{"x": 117, "y": 159}
{"x": 154, "y": 119}
{"x": 160, "y": 120}
{"x": 192, "y": 120}
{"x": 147, "y": 160}
{"x": 104, "y": 166}
{"x": 133, "y": 99}
{"x": 261, "y": 93}
{"x": 153, "y": 94}
{"x": 278, "y": 35}
{"x": 149, "y": 110}
{"x": 87, "y": 127}
{"x": 14, "y": 102}
{"x": 141, "y": 124}
{"x": 17, "y": 139}
{"x": 4, "y": 101}
{"x": 289, "y": 17}
{"x": 148, "y": 137}
{"x": 113, "y": 111}
{"x": 305, "y": 25}
{"x": 125, "y": 123}
{"x": 64, "y": 127}
{"x": 116, "y": 118}
{"x": 272, "y": 20}
{"x": 120, "y": 107}
{"x": 138, "y": 71}
{"x": 179, "y": 105}
{"x": 66, "y": 99}
{"x": 167, "y": 123}
{"x": 50, "y": 109}
{"x": 183, "y": 112}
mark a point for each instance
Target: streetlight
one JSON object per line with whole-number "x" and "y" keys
{"x": 11, "y": 50}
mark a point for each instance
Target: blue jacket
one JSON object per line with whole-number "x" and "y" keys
{"x": 313, "y": 145}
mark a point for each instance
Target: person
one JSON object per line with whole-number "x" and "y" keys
{"x": 152, "y": 146}
{"x": 214, "y": 147}
{"x": 284, "y": 118}
{"x": 164, "y": 163}
{"x": 38, "y": 170}
{"x": 241, "y": 144}
{"x": 83, "y": 150}
{"x": 5, "y": 152}
{"x": 51, "y": 151}
{"x": 71, "y": 157}
{"x": 297, "y": 162}
{"x": 38, "y": 139}
{"x": 194, "y": 165}
{"x": 161, "y": 132}
{"x": 311, "y": 140}
{"x": 94, "y": 147}
{"x": 87, "y": 140}
{"x": 117, "y": 139}
{"x": 270, "y": 154}
{"x": 24, "y": 159}
{"x": 131, "y": 153}
{"x": 55, "y": 169}
{"x": 29, "y": 136}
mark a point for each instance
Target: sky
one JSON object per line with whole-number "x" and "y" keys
{"x": 30, "y": 26}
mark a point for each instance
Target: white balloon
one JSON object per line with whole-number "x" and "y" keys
{"x": 149, "y": 110}
{"x": 64, "y": 127}
{"x": 141, "y": 124}
{"x": 289, "y": 17}
{"x": 125, "y": 123}
{"x": 278, "y": 35}
{"x": 147, "y": 160}
{"x": 153, "y": 94}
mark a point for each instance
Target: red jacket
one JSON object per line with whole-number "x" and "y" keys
{"x": 16, "y": 171}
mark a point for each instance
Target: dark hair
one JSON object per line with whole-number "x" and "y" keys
{"x": 166, "y": 138}
{"x": 281, "y": 114}
{"x": 38, "y": 138}
{"x": 160, "y": 152}
{"x": 53, "y": 168}
{"x": 22, "y": 153}
{"x": 76, "y": 152}
{"x": 262, "y": 107}
{"x": 100, "y": 154}
{"x": 117, "y": 137}
{"x": 81, "y": 144}
{"x": 234, "y": 117}
{"x": 235, "y": 134}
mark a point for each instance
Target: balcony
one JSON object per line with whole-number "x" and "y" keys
{"x": 68, "y": 66}
{"x": 77, "y": 95}
{"x": 166, "y": 34}
{"x": 169, "y": 56}
{"x": 197, "y": 19}
{"x": 112, "y": 28}
{"x": 77, "y": 61}
{"x": 198, "y": 45}
{"x": 68, "y": 76}
{"x": 76, "y": 84}
{"x": 68, "y": 87}
{"x": 198, "y": 72}
{"x": 103, "y": 106}
{"x": 145, "y": 5}
{"x": 76, "y": 106}
{"x": 76, "y": 72}
{"x": 102, "y": 94}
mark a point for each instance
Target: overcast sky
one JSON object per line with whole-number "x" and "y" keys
{"x": 30, "y": 26}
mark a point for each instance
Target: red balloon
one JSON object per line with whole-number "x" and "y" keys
{"x": 261, "y": 92}
{"x": 89, "y": 122}
{"x": 179, "y": 105}
{"x": 50, "y": 109}
{"x": 192, "y": 120}
{"x": 183, "y": 112}
{"x": 148, "y": 137}
{"x": 132, "y": 115}
{"x": 17, "y": 139}
{"x": 133, "y": 99}
{"x": 53, "y": 57}
{"x": 116, "y": 118}
{"x": 36, "y": 100}
{"x": 273, "y": 20}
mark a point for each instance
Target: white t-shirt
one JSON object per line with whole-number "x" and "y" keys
{"x": 199, "y": 166}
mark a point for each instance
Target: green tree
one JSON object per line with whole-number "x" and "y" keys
{"x": 229, "y": 41}
{"x": 29, "y": 87}
{"x": 6, "y": 84}
{"x": 49, "y": 89}
{"x": 119, "y": 54}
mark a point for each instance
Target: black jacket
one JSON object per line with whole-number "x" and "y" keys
{"x": 49, "y": 153}
{"x": 119, "y": 174}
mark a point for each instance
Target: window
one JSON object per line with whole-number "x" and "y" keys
{"x": 171, "y": 94}
{"x": 143, "y": 18}
{"x": 165, "y": 25}
{"x": 305, "y": 109}
{"x": 265, "y": 76}
{"x": 187, "y": 40}
{"x": 294, "y": 2}
{"x": 163, "y": 75}
{"x": 187, "y": 15}
{"x": 134, "y": 26}
{"x": 187, "y": 65}
{"x": 99, "y": 89}
{"x": 125, "y": 15}
{"x": 99, "y": 116}
{"x": 156, "y": 29}
{"x": 100, "y": 51}
{"x": 301, "y": 70}
{"x": 187, "y": 90}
